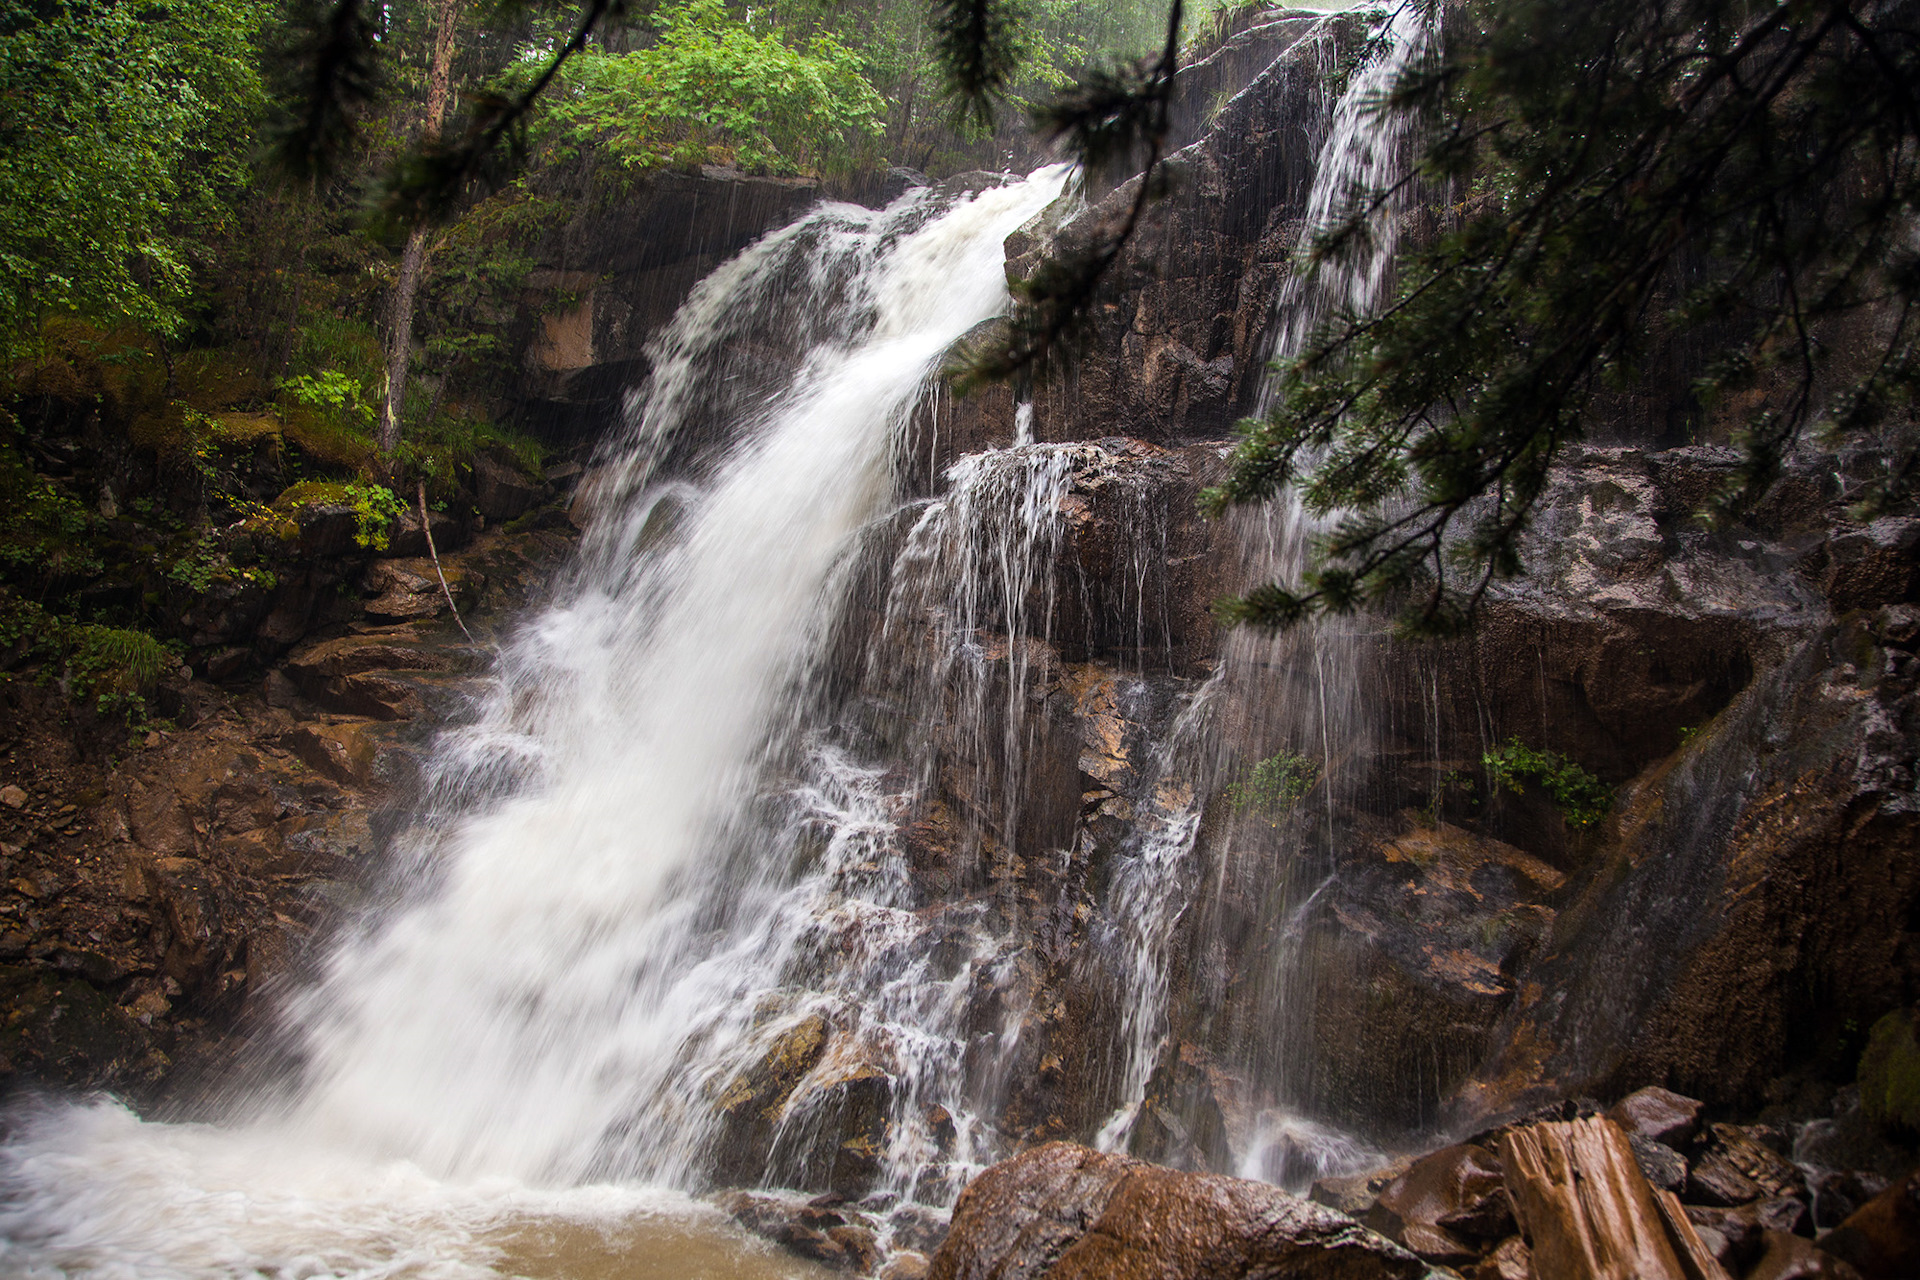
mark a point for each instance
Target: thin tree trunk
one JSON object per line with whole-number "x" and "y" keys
{"x": 413, "y": 258}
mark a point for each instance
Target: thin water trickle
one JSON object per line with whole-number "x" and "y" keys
{"x": 1291, "y": 696}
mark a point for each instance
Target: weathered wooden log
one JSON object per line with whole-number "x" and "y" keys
{"x": 1587, "y": 1211}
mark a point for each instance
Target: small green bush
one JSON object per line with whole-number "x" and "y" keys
{"x": 1274, "y": 786}
{"x": 1581, "y": 798}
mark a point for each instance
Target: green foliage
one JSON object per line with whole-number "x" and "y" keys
{"x": 713, "y": 89}
{"x": 1273, "y": 787}
{"x": 121, "y": 133}
{"x": 374, "y": 508}
{"x": 45, "y": 531}
{"x": 113, "y": 668}
{"x": 1733, "y": 175}
{"x": 1582, "y": 798}
{"x": 330, "y": 390}
{"x": 1889, "y": 1073}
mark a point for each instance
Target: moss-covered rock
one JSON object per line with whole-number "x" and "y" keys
{"x": 1890, "y": 1072}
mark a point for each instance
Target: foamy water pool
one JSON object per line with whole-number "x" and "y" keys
{"x": 91, "y": 1190}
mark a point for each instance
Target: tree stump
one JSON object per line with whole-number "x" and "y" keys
{"x": 1588, "y": 1212}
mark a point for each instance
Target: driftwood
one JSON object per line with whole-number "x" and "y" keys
{"x": 1589, "y": 1213}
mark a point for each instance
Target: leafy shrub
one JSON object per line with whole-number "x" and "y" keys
{"x": 1581, "y": 798}
{"x": 1274, "y": 786}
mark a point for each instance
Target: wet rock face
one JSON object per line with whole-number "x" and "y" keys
{"x": 1426, "y": 927}
{"x": 1062, "y": 1211}
{"x": 1177, "y": 351}
{"x": 157, "y": 895}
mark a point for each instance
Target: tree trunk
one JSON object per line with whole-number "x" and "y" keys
{"x": 1589, "y": 1213}
{"x": 413, "y": 258}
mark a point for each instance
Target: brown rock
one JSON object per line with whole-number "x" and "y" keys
{"x": 919, "y": 1228}
{"x": 1657, "y": 1114}
{"x": 192, "y": 898}
{"x": 858, "y": 1245}
{"x": 1838, "y": 1195}
{"x": 1882, "y": 1238}
{"x": 1354, "y": 1194}
{"x": 1510, "y": 1260}
{"x": 1446, "y": 1204}
{"x": 1735, "y": 1169}
{"x": 1663, "y": 1166}
{"x": 1067, "y": 1212}
{"x": 1877, "y": 565}
{"x": 501, "y": 491}
{"x": 751, "y": 1105}
{"x": 1742, "y": 1230}
{"x": 342, "y": 752}
{"x": 906, "y": 1265}
{"x": 1788, "y": 1257}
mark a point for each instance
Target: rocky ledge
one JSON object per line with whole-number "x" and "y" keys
{"x": 156, "y": 893}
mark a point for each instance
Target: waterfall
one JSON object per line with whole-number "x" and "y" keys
{"x": 1286, "y": 696}
{"x": 742, "y": 870}
{"x": 642, "y": 866}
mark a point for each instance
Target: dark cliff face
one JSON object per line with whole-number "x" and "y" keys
{"x": 1748, "y": 903}
{"x": 617, "y": 271}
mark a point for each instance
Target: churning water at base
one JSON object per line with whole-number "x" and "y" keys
{"x": 639, "y": 872}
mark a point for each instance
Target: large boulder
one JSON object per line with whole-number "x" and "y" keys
{"x": 1063, "y": 1211}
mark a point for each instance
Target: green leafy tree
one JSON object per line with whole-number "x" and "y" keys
{"x": 716, "y": 88}
{"x": 122, "y": 136}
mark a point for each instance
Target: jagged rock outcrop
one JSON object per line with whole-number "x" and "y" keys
{"x": 1061, "y": 1211}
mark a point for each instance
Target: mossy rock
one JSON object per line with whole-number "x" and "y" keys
{"x": 1890, "y": 1073}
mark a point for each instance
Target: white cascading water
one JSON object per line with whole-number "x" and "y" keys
{"x": 636, "y": 853}
{"x": 1318, "y": 717}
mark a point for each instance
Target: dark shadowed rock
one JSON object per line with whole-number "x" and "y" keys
{"x": 1659, "y": 1115}
{"x": 750, "y": 1106}
{"x": 1787, "y": 1257}
{"x": 1890, "y": 1073}
{"x": 1882, "y": 1238}
{"x": 1734, "y": 1168}
{"x": 1069, "y": 1213}
{"x": 1509, "y": 1260}
{"x": 1663, "y": 1166}
{"x": 503, "y": 491}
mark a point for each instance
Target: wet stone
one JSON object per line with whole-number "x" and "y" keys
{"x": 1509, "y": 1260}
{"x": 1069, "y": 1213}
{"x": 1735, "y": 1168}
{"x": 1663, "y": 1166}
{"x": 1658, "y": 1115}
{"x": 1882, "y": 1237}
{"x": 1788, "y": 1257}
{"x": 1446, "y": 1204}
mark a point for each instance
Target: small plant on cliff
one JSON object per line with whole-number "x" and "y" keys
{"x": 1581, "y": 798}
{"x": 1274, "y": 787}
{"x": 374, "y": 508}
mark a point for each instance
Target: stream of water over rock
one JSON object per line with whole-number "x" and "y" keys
{"x": 742, "y": 871}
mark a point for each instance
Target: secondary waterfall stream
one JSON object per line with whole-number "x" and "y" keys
{"x": 731, "y": 878}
